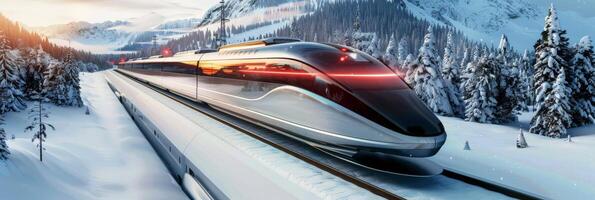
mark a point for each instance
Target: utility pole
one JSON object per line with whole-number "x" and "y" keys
{"x": 154, "y": 49}
{"x": 222, "y": 30}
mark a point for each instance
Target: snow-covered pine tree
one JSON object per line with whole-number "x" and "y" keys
{"x": 549, "y": 66}
{"x": 403, "y": 52}
{"x": 338, "y": 37}
{"x": 467, "y": 70}
{"x": 355, "y": 38}
{"x": 464, "y": 60}
{"x": 295, "y": 31}
{"x": 508, "y": 84}
{"x": 36, "y": 68}
{"x": 475, "y": 53}
{"x": 406, "y": 67}
{"x": 450, "y": 68}
{"x": 11, "y": 98}
{"x": 4, "y": 151}
{"x": 391, "y": 55}
{"x": 22, "y": 69}
{"x": 527, "y": 77}
{"x": 426, "y": 80}
{"x": 521, "y": 142}
{"x": 71, "y": 76}
{"x": 523, "y": 87}
{"x": 480, "y": 91}
{"x": 553, "y": 115}
{"x": 467, "y": 147}
{"x": 373, "y": 48}
{"x": 54, "y": 85}
{"x": 37, "y": 115}
{"x": 584, "y": 83}
{"x": 451, "y": 75}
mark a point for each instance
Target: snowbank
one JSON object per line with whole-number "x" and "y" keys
{"x": 98, "y": 156}
{"x": 552, "y": 168}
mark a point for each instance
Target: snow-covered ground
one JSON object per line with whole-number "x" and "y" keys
{"x": 552, "y": 168}
{"x": 98, "y": 156}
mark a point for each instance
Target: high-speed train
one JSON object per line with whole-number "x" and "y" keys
{"x": 332, "y": 97}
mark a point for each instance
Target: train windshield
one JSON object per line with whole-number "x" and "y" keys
{"x": 355, "y": 70}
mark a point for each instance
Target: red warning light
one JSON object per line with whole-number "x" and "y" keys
{"x": 344, "y": 49}
{"x": 166, "y": 52}
{"x": 343, "y": 58}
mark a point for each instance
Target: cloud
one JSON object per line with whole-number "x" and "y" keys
{"x": 47, "y": 12}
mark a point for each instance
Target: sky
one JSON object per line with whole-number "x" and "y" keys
{"x": 49, "y": 12}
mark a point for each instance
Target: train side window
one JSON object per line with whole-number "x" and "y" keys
{"x": 181, "y": 68}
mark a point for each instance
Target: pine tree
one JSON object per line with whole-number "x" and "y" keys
{"x": 550, "y": 65}
{"x": 584, "y": 83}
{"x": 467, "y": 70}
{"x": 373, "y": 48}
{"x": 520, "y": 141}
{"x": 37, "y": 115}
{"x": 407, "y": 65}
{"x": 450, "y": 68}
{"x": 295, "y": 31}
{"x": 480, "y": 91}
{"x": 71, "y": 76}
{"x": 4, "y": 151}
{"x": 11, "y": 98}
{"x": 553, "y": 116}
{"x": 467, "y": 147}
{"x": 508, "y": 84}
{"x": 61, "y": 84}
{"x": 451, "y": 75}
{"x": 426, "y": 80}
{"x": 475, "y": 54}
{"x": 54, "y": 86}
{"x": 523, "y": 87}
{"x": 527, "y": 77}
{"x": 403, "y": 52}
{"x": 391, "y": 54}
{"x": 465, "y": 59}
{"x": 36, "y": 63}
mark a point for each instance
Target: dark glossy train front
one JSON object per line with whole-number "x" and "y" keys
{"x": 329, "y": 96}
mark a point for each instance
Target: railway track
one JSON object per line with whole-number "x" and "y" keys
{"x": 338, "y": 167}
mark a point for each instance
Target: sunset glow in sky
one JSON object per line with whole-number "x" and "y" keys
{"x": 49, "y": 12}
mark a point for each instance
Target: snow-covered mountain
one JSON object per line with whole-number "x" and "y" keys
{"x": 106, "y": 37}
{"x": 240, "y": 8}
{"x": 521, "y": 20}
{"x": 481, "y": 20}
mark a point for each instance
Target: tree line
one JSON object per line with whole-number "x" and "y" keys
{"x": 31, "y": 74}
{"x": 19, "y": 37}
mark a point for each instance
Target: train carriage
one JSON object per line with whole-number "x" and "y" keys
{"x": 332, "y": 97}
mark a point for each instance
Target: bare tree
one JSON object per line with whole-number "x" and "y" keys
{"x": 37, "y": 114}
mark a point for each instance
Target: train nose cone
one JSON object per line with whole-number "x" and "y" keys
{"x": 403, "y": 109}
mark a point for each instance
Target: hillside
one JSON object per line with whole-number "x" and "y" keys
{"x": 19, "y": 37}
{"x": 521, "y": 20}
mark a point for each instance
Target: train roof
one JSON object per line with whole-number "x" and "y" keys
{"x": 258, "y": 49}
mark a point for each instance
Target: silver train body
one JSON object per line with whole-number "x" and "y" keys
{"x": 331, "y": 97}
